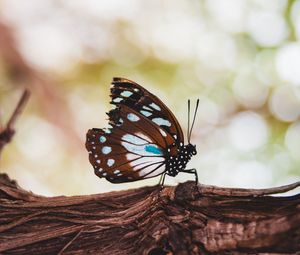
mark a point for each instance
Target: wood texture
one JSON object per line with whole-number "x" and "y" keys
{"x": 185, "y": 219}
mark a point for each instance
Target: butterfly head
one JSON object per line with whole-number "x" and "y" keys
{"x": 191, "y": 149}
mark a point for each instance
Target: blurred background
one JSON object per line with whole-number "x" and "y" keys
{"x": 240, "y": 57}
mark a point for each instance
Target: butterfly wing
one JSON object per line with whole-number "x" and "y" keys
{"x": 129, "y": 93}
{"x": 133, "y": 149}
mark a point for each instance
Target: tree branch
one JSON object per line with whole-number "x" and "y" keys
{"x": 236, "y": 192}
{"x": 180, "y": 220}
{"x": 44, "y": 87}
{"x": 7, "y": 133}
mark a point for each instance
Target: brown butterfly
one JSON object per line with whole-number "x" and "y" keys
{"x": 145, "y": 139}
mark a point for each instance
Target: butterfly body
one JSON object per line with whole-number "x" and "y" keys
{"x": 177, "y": 163}
{"x": 145, "y": 139}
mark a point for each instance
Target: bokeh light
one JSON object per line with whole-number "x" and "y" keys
{"x": 285, "y": 104}
{"x": 240, "y": 58}
{"x": 248, "y": 131}
{"x": 288, "y": 62}
{"x": 292, "y": 140}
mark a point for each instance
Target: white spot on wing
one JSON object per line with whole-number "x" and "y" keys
{"x": 126, "y": 93}
{"x": 102, "y": 139}
{"x": 155, "y": 106}
{"x": 146, "y": 113}
{"x": 107, "y": 131}
{"x": 131, "y": 156}
{"x": 133, "y": 139}
{"x": 98, "y": 161}
{"x": 142, "y": 149}
{"x": 147, "y": 108}
{"x": 162, "y": 122}
{"x": 132, "y": 117}
{"x": 144, "y": 137}
{"x": 163, "y": 132}
{"x": 144, "y": 161}
{"x": 110, "y": 162}
{"x": 116, "y": 171}
{"x": 117, "y": 100}
{"x": 147, "y": 171}
{"x": 106, "y": 149}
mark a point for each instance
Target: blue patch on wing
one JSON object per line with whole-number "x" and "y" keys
{"x": 153, "y": 149}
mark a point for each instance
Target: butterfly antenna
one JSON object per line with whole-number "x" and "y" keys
{"x": 189, "y": 109}
{"x": 195, "y": 113}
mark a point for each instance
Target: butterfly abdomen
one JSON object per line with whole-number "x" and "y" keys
{"x": 177, "y": 163}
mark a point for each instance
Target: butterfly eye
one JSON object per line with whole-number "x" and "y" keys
{"x": 194, "y": 150}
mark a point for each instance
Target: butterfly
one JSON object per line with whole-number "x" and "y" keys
{"x": 145, "y": 139}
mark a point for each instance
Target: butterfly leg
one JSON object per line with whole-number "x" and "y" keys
{"x": 192, "y": 171}
{"x": 162, "y": 180}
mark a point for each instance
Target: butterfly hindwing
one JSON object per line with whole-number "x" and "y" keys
{"x": 133, "y": 149}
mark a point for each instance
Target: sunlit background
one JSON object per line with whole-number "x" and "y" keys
{"x": 240, "y": 58}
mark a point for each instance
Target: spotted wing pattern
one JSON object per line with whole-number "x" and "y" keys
{"x": 133, "y": 149}
{"x": 127, "y": 92}
{"x": 143, "y": 135}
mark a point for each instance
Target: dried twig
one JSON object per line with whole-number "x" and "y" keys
{"x": 45, "y": 88}
{"x": 7, "y": 133}
{"x": 240, "y": 192}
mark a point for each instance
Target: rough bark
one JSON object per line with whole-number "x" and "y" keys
{"x": 152, "y": 220}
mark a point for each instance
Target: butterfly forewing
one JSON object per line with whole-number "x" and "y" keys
{"x": 127, "y": 120}
{"x": 133, "y": 149}
{"x": 129, "y": 93}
